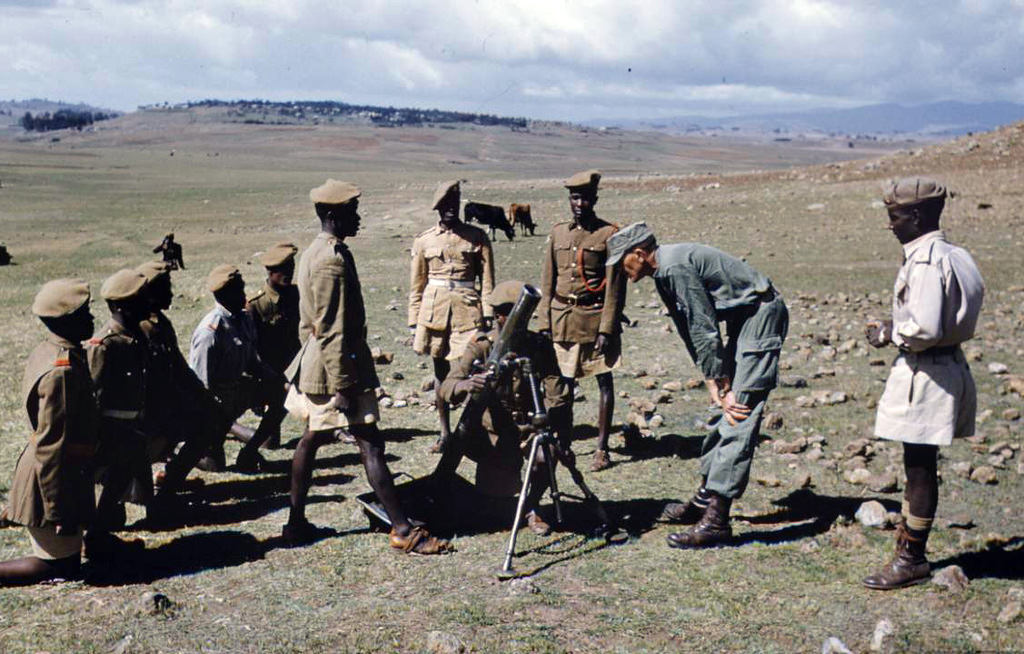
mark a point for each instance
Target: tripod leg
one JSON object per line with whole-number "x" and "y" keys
{"x": 556, "y": 497}
{"x": 511, "y": 550}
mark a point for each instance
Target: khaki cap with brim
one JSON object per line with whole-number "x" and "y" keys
{"x": 585, "y": 179}
{"x": 278, "y": 255}
{"x": 443, "y": 189}
{"x": 123, "y": 285}
{"x": 61, "y": 297}
{"x": 153, "y": 269}
{"x": 506, "y": 293}
{"x": 909, "y": 191}
{"x": 221, "y": 276}
{"x": 334, "y": 192}
{"x": 626, "y": 239}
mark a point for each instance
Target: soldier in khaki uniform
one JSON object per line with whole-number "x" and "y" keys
{"x": 52, "y": 490}
{"x": 450, "y": 280}
{"x": 333, "y": 377}
{"x": 275, "y": 311}
{"x": 582, "y": 300}
{"x": 117, "y": 362}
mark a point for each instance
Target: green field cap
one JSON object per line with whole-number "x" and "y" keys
{"x": 626, "y": 239}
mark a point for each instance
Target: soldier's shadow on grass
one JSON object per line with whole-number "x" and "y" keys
{"x": 803, "y": 514}
{"x": 997, "y": 562}
{"x": 643, "y": 448}
{"x": 402, "y": 434}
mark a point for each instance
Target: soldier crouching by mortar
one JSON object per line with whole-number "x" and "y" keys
{"x": 495, "y": 442}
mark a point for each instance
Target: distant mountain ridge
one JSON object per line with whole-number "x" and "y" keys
{"x": 949, "y": 118}
{"x": 11, "y": 111}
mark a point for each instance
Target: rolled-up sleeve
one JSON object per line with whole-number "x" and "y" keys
{"x": 921, "y": 322}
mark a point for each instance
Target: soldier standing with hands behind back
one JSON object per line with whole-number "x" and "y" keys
{"x": 450, "y": 281}
{"x": 582, "y": 301}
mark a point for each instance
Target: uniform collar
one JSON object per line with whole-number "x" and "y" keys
{"x": 922, "y": 241}
{"x": 269, "y": 290}
{"x": 442, "y": 228}
{"x": 62, "y": 342}
{"x": 221, "y": 311}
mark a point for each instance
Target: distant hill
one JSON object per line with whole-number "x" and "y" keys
{"x": 937, "y": 119}
{"x": 11, "y": 111}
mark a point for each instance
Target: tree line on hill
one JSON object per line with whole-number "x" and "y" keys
{"x": 62, "y": 119}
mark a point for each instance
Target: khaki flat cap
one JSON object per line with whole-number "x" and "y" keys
{"x": 153, "y": 269}
{"x": 123, "y": 285}
{"x": 506, "y": 293}
{"x": 626, "y": 239}
{"x": 61, "y": 297}
{"x": 334, "y": 192}
{"x": 583, "y": 180}
{"x": 443, "y": 189}
{"x": 278, "y": 255}
{"x": 221, "y": 276}
{"x": 909, "y": 191}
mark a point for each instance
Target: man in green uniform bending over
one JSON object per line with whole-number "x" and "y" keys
{"x": 702, "y": 286}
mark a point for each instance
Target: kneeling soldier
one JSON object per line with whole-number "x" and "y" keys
{"x": 52, "y": 491}
{"x": 497, "y": 450}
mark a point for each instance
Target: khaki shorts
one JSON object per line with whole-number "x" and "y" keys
{"x": 441, "y": 343}
{"x": 47, "y": 545}
{"x": 578, "y": 360}
{"x": 320, "y": 413}
{"x": 928, "y": 400}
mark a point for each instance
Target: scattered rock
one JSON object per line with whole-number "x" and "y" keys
{"x": 772, "y": 421}
{"x": 795, "y": 446}
{"x": 649, "y": 384}
{"x": 386, "y": 402}
{"x": 834, "y": 646}
{"x": 836, "y": 397}
{"x": 397, "y": 376}
{"x": 427, "y": 384}
{"x": 871, "y": 514}
{"x": 656, "y": 421}
{"x": 804, "y": 401}
{"x": 885, "y": 482}
{"x": 973, "y": 354}
{"x": 858, "y": 447}
{"x": 810, "y": 546}
{"x": 693, "y": 382}
{"x": 998, "y": 368}
{"x": 634, "y": 418}
{"x": 1011, "y": 414}
{"x": 381, "y": 357}
{"x": 952, "y": 578}
{"x": 771, "y": 481}
{"x": 847, "y": 346}
{"x": 522, "y": 586}
{"x": 824, "y": 372}
{"x": 1015, "y": 385}
{"x": 883, "y": 629}
{"x": 962, "y": 469}
{"x": 439, "y": 642}
{"x": 1009, "y": 613}
{"x": 672, "y": 386}
{"x": 814, "y": 454}
{"x": 793, "y": 382}
{"x": 877, "y": 362}
{"x": 662, "y": 397}
{"x": 857, "y": 476}
{"x": 803, "y": 480}
{"x": 641, "y": 372}
{"x": 984, "y": 475}
{"x": 154, "y": 602}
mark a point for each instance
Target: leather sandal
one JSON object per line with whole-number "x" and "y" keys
{"x": 419, "y": 541}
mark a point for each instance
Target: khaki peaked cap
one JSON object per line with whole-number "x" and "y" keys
{"x": 585, "y": 179}
{"x": 221, "y": 276}
{"x": 443, "y": 189}
{"x": 61, "y": 297}
{"x": 506, "y": 292}
{"x": 334, "y": 192}
{"x": 909, "y": 191}
{"x": 627, "y": 239}
{"x": 278, "y": 255}
{"x": 153, "y": 269}
{"x": 125, "y": 284}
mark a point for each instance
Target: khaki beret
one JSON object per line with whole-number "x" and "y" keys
{"x": 123, "y": 285}
{"x": 443, "y": 189}
{"x": 221, "y": 276}
{"x": 334, "y": 192}
{"x": 909, "y": 191}
{"x": 627, "y": 239}
{"x": 61, "y": 297}
{"x": 277, "y": 255}
{"x": 583, "y": 180}
{"x": 506, "y": 293}
{"x": 153, "y": 269}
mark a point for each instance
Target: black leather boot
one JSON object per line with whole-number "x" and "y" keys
{"x": 689, "y": 512}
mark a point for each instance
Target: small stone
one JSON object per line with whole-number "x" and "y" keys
{"x": 522, "y": 586}
{"x": 871, "y": 514}
{"x": 693, "y": 383}
{"x": 1009, "y": 613}
{"x": 397, "y": 376}
{"x": 810, "y": 546}
{"x": 883, "y": 629}
{"x": 427, "y": 384}
{"x": 877, "y": 362}
{"x": 952, "y": 578}
{"x": 814, "y": 454}
{"x": 793, "y": 382}
{"x": 1001, "y": 448}
{"x": 883, "y": 483}
{"x": 381, "y": 357}
{"x": 672, "y": 386}
{"x": 858, "y": 447}
{"x": 634, "y": 418}
{"x": 386, "y": 402}
{"x": 154, "y": 602}
{"x": 998, "y": 368}
{"x": 795, "y": 446}
{"x": 662, "y": 397}
{"x": 803, "y": 480}
{"x": 772, "y": 421}
{"x": 834, "y": 646}
{"x": 771, "y": 481}
{"x": 962, "y": 469}
{"x": 655, "y": 421}
{"x": 1011, "y": 414}
{"x": 846, "y": 346}
{"x": 824, "y": 372}
{"x": 804, "y": 401}
{"x": 649, "y": 384}
{"x": 439, "y": 642}
{"x": 837, "y": 397}
{"x": 1015, "y": 385}
{"x": 641, "y": 372}
{"x": 984, "y": 475}
{"x": 973, "y": 354}
{"x": 400, "y": 404}
{"x": 857, "y": 476}
{"x": 894, "y": 517}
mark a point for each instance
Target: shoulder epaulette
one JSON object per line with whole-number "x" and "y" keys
{"x": 95, "y": 340}
{"x": 256, "y": 297}
{"x": 62, "y": 362}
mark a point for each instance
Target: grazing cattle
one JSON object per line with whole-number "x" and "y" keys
{"x": 519, "y": 214}
{"x": 490, "y": 215}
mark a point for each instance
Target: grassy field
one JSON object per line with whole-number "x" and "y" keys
{"x": 91, "y": 203}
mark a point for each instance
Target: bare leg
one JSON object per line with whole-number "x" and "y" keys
{"x": 303, "y": 463}
{"x": 371, "y": 450}
{"x": 605, "y": 409}
{"x": 32, "y": 570}
{"x": 441, "y": 369}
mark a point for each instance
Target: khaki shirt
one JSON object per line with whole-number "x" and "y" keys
{"x": 568, "y": 246}
{"x": 51, "y": 483}
{"x": 169, "y": 380}
{"x": 937, "y": 296}
{"x": 332, "y": 322}
{"x": 117, "y": 363}
{"x": 277, "y": 325}
{"x": 460, "y": 254}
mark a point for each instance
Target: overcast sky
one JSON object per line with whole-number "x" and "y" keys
{"x": 560, "y": 59}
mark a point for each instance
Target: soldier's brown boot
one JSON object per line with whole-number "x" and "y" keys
{"x": 712, "y": 529}
{"x": 689, "y": 512}
{"x": 537, "y": 524}
{"x": 909, "y": 565}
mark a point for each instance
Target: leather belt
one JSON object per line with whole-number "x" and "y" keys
{"x": 450, "y": 283}
{"x": 580, "y": 299}
{"x": 937, "y": 351}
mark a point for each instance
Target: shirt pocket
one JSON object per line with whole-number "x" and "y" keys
{"x": 563, "y": 256}
{"x": 757, "y": 364}
{"x": 593, "y": 261}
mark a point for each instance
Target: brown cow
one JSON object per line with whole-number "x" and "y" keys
{"x": 519, "y": 214}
